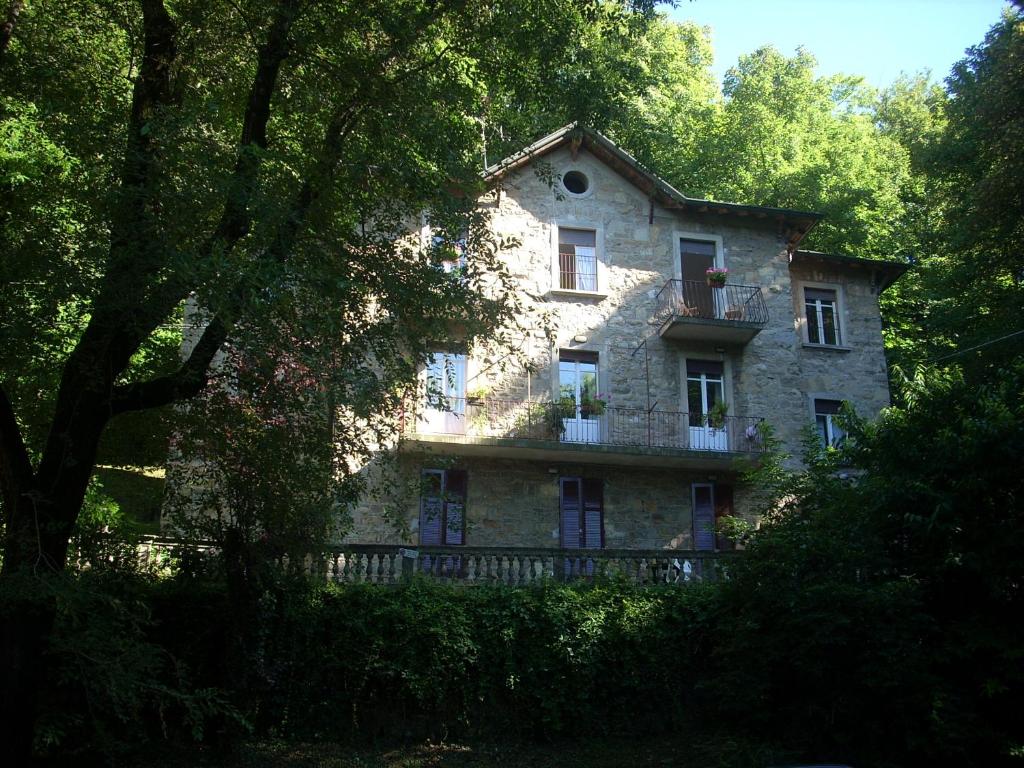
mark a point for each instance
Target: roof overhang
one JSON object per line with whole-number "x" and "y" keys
{"x": 793, "y": 225}
{"x": 883, "y": 273}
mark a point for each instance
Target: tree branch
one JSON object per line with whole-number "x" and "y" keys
{"x": 236, "y": 217}
{"x": 7, "y": 27}
{"x": 187, "y": 382}
{"x": 15, "y": 466}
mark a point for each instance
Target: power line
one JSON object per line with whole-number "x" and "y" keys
{"x": 979, "y": 346}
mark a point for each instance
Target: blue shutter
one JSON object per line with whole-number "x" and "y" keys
{"x": 593, "y": 514}
{"x": 455, "y": 506}
{"x": 570, "y": 521}
{"x": 703, "y": 518}
{"x": 431, "y": 507}
{"x": 431, "y": 514}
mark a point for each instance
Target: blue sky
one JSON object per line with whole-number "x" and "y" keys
{"x": 874, "y": 38}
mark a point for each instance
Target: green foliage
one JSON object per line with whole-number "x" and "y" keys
{"x": 877, "y": 591}
{"x": 963, "y": 215}
{"x": 427, "y": 659}
{"x": 111, "y": 686}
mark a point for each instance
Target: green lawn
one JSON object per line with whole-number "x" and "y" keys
{"x": 139, "y": 491}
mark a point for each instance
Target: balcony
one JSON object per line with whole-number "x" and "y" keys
{"x": 516, "y": 566}
{"x": 542, "y": 430}
{"x": 392, "y": 564}
{"x": 692, "y": 310}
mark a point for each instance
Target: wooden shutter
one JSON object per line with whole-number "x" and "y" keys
{"x": 431, "y": 507}
{"x": 819, "y": 294}
{"x": 723, "y": 508}
{"x": 569, "y": 516}
{"x": 831, "y": 407}
{"x": 593, "y": 514}
{"x": 455, "y": 506}
{"x": 710, "y": 368}
{"x": 703, "y": 518}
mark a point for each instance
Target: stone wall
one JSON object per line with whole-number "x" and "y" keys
{"x": 774, "y": 376}
{"x": 516, "y": 503}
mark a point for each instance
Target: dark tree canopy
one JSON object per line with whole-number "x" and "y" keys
{"x": 262, "y": 159}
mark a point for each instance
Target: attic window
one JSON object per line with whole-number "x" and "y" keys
{"x": 576, "y": 183}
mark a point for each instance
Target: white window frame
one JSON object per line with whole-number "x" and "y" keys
{"x": 726, "y": 360}
{"x": 435, "y": 420}
{"x": 599, "y": 248}
{"x": 813, "y": 398}
{"x": 677, "y": 254}
{"x": 574, "y": 195}
{"x": 842, "y": 323}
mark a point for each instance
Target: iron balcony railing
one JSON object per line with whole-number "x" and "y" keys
{"x": 569, "y": 280}
{"x": 582, "y": 425}
{"x": 681, "y": 299}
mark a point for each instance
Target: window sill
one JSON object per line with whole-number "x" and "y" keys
{"x": 832, "y": 347}
{"x": 579, "y": 294}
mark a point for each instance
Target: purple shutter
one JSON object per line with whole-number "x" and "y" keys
{"x": 593, "y": 514}
{"x": 703, "y": 519}
{"x": 431, "y": 513}
{"x": 455, "y": 506}
{"x": 723, "y": 508}
{"x": 431, "y": 507}
{"x": 570, "y": 512}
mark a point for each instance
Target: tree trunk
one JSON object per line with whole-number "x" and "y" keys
{"x": 36, "y": 543}
{"x": 27, "y": 622}
{"x": 34, "y": 556}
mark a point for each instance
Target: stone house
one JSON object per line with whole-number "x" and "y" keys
{"x": 627, "y": 430}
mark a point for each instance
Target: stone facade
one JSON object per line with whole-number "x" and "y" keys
{"x": 513, "y": 500}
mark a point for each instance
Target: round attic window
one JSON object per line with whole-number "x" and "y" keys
{"x": 576, "y": 183}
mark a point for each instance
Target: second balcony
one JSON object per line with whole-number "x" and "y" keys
{"x": 693, "y": 310}
{"x": 550, "y": 431}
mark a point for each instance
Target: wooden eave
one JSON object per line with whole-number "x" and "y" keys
{"x": 792, "y": 225}
{"x": 883, "y": 273}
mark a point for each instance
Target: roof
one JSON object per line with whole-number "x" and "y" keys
{"x": 794, "y": 224}
{"x": 885, "y": 272}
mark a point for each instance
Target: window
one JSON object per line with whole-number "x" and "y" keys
{"x": 579, "y": 401}
{"x": 581, "y": 515}
{"x": 825, "y": 412}
{"x": 705, "y": 402}
{"x": 703, "y": 517}
{"x": 577, "y": 259}
{"x": 696, "y": 256}
{"x": 444, "y": 381}
{"x": 443, "y": 507}
{"x": 711, "y": 503}
{"x": 452, "y": 253}
{"x": 822, "y": 309}
{"x": 575, "y": 182}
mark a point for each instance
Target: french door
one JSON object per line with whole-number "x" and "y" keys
{"x": 696, "y": 257}
{"x": 580, "y": 521}
{"x": 705, "y": 390}
{"x": 577, "y": 391}
{"x": 445, "y": 386}
{"x": 703, "y": 505}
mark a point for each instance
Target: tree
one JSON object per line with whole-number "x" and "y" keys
{"x": 878, "y": 588}
{"x": 788, "y": 138}
{"x": 262, "y": 158}
{"x": 972, "y": 273}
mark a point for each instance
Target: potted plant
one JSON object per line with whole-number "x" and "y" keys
{"x": 716, "y": 276}
{"x": 716, "y": 415}
{"x": 562, "y": 409}
{"x": 595, "y": 406}
{"x": 566, "y": 406}
{"x": 476, "y": 395}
